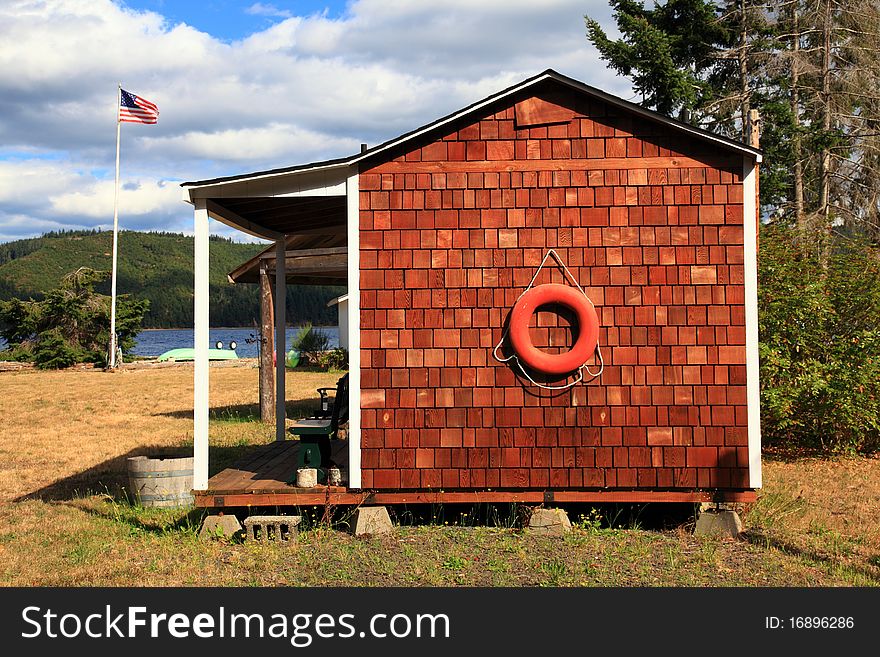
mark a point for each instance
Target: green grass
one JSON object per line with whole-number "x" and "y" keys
{"x": 108, "y": 542}
{"x": 798, "y": 533}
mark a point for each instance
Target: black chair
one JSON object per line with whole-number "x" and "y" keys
{"x": 325, "y": 409}
{"x": 316, "y": 432}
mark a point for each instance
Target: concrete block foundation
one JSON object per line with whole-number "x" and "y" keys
{"x": 215, "y": 526}
{"x": 549, "y": 522}
{"x": 721, "y": 523}
{"x": 371, "y": 520}
{"x": 278, "y": 529}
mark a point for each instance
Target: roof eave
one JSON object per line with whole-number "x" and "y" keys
{"x": 340, "y": 163}
{"x": 549, "y": 74}
{"x": 577, "y": 85}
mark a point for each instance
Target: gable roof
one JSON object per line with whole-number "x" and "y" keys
{"x": 549, "y": 74}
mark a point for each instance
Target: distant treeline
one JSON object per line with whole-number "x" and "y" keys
{"x": 157, "y": 266}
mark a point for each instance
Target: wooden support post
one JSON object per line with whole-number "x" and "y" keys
{"x": 201, "y": 401}
{"x": 752, "y": 203}
{"x": 267, "y": 348}
{"x": 750, "y": 283}
{"x": 354, "y": 327}
{"x": 280, "y": 342}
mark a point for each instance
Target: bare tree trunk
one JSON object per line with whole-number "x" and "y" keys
{"x": 825, "y": 161}
{"x": 743, "y": 57}
{"x": 796, "y": 122}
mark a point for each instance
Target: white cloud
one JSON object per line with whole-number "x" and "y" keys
{"x": 14, "y": 226}
{"x": 306, "y": 88}
{"x": 136, "y": 198}
{"x": 264, "y": 143}
{"x": 266, "y": 9}
{"x": 40, "y": 196}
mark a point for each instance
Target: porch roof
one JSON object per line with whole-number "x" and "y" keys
{"x": 311, "y": 259}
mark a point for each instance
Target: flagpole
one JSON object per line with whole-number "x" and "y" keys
{"x": 112, "y": 364}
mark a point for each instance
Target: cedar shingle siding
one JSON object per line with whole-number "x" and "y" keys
{"x": 649, "y": 221}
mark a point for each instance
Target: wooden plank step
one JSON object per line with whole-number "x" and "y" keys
{"x": 245, "y": 469}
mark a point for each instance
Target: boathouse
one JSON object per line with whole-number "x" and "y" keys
{"x": 439, "y": 235}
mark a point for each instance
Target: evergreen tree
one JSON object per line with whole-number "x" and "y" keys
{"x": 71, "y": 324}
{"x": 811, "y": 69}
{"x": 668, "y": 52}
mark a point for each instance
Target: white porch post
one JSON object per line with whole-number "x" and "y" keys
{"x": 750, "y": 268}
{"x": 354, "y": 329}
{"x": 201, "y": 325}
{"x": 280, "y": 344}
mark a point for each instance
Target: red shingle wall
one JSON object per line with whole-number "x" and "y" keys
{"x": 451, "y": 233}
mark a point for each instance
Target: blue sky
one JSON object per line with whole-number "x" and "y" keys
{"x": 230, "y": 20}
{"x": 244, "y": 86}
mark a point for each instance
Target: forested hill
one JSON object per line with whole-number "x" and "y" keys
{"x": 154, "y": 266}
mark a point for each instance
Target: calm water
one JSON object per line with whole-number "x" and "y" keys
{"x": 155, "y": 342}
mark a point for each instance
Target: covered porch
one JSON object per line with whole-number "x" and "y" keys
{"x": 317, "y": 259}
{"x": 309, "y": 213}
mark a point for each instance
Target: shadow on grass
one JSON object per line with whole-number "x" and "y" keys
{"x": 297, "y": 408}
{"x": 765, "y": 540}
{"x": 656, "y": 516}
{"x": 110, "y": 477}
{"x": 146, "y": 520}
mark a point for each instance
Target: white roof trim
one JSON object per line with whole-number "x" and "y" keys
{"x": 261, "y": 175}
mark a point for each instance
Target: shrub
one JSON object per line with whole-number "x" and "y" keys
{"x": 53, "y": 352}
{"x": 819, "y": 330}
{"x": 335, "y": 360}
{"x": 310, "y": 342}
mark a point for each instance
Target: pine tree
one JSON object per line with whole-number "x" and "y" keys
{"x": 811, "y": 69}
{"x": 669, "y": 52}
{"x": 71, "y": 325}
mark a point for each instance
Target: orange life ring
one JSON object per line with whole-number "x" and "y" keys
{"x": 588, "y": 327}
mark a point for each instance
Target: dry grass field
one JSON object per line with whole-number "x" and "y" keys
{"x": 64, "y": 437}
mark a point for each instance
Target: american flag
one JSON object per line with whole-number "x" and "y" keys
{"x": 134, "y": 109}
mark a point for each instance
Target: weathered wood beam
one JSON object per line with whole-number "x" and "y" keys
{"x": 226, "y": 216}
{"x": 290, "y": 496}
{"x": 307, "y": 253}
{"x": 280, "y": 343}
{"x": 338, "y": 281}
{"x": 324, "y": 263}
{"x": 267, "y": 348}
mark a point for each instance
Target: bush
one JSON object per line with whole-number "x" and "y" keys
{"x": 310, "y": 342}
{"x": 53, "y": 352}
{"x": 819, "y": 330}
{"x": 335, "y": 360}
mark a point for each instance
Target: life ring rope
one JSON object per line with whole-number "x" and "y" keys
{"x": 580, "y": 370}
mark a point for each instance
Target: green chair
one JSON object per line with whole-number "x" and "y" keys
{"x": 316, "y": 432}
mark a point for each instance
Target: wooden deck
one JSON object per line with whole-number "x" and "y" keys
{"x": 260, "y": 479}
{"x": 266, "y": 471}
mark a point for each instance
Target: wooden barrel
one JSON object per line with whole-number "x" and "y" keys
{"x": 165, "y": 482}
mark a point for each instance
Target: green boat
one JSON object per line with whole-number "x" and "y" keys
{"x": 176, "y": 355}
